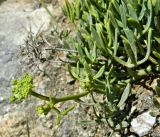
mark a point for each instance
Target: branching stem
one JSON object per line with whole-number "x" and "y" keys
{"x": 61, "y": 99}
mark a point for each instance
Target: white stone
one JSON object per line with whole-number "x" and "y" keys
{"x": 143, "y": 123}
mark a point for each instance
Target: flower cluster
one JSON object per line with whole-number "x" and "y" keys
{"x": 43, "y": 109}
{"x": 22, "y": 88}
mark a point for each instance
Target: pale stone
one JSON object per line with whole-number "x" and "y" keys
{"x": 16, "y": 17}
{"x": 143, "y": 123}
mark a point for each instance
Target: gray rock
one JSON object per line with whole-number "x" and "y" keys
{"x": 16, "y": 17}
{"x": 42, "y": 86}
{"x": 143, "y": 124}
{"x": 14, "y": 25}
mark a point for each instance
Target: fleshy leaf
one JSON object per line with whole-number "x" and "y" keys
{"x": 124, "y": 95}
{"x": 99, "y": 73}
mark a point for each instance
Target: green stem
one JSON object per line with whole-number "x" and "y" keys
{"x": 56, "y": 110}
{"x": 99, "y": 91}
{"x": 42, "y": 97}
{"x": 61, "y": 99}
{"x": 148, "y": 48}
{"x": 58, "y": 115}
{"x": 71, "y": 97}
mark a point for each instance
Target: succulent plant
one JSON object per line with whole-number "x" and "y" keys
{"x": 116, "y": 43}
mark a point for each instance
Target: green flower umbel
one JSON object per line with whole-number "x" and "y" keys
{"x": 22, "y": 88}
{"x": 43, "y": 109}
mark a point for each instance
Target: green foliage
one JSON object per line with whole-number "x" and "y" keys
{"x": 124, "y": 30}
{"x": 22, "y": 88}
{"x": 118, "y": 44}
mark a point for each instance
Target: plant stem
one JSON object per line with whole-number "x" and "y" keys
{"x": 42, "y": 97}
{"x": 61, "y": 99}
{"x": 71, "y": 97}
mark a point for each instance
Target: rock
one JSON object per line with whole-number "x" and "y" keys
{"x": 14, "y": 25}
{"x": 19, "y": 123}
{"x": 142, "y": 124}
{"x": 41, "y": 88}
{"x": 17, "y": 18}
{"x": 39, "y": 20}
{"x": 145, "y": 100}
{"x": 9, "y": 125}
{"x": 156, "y": 131}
